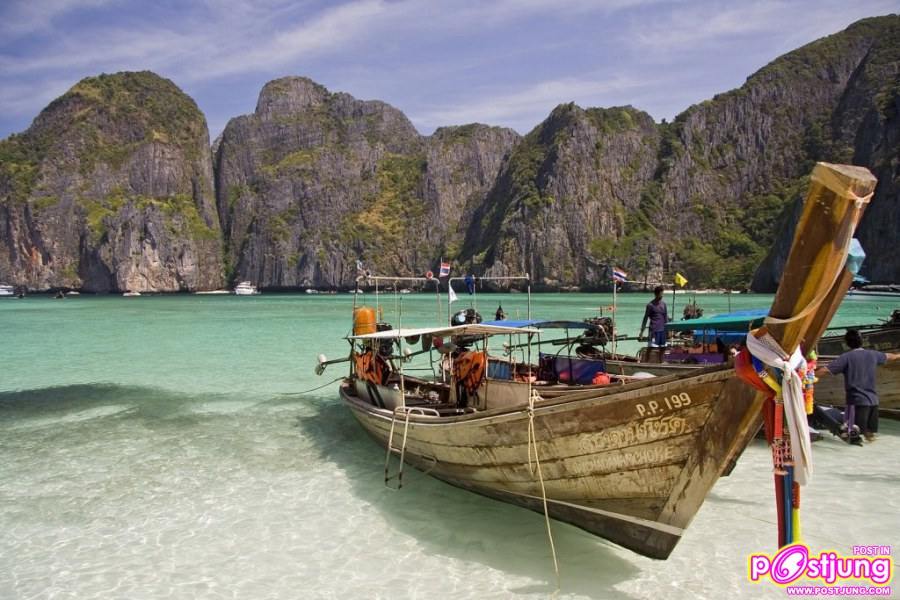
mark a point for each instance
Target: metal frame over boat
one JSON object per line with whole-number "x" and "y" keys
{"x": 629, "y": 462}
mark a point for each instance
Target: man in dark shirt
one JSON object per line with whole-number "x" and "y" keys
{"x": 657, "y": 313}
{"x": 858, "y": 367}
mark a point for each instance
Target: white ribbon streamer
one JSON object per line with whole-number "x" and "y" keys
{"x": 770, "y": 353}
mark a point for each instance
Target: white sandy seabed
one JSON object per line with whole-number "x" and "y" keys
{"x": 285, "y": 500}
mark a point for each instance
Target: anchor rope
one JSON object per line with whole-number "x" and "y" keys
{"x": 312, "y": 389}
{"x": 532, "y": 443}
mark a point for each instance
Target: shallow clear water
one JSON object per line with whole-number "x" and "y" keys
{"x": 160, "y": 447}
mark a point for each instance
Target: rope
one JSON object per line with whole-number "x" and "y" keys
{"x": 532, "y": 442}
{"x": 313, "y": 389}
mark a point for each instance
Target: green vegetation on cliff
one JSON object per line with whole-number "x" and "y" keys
{"x": 155, "y": 108}
{"x": 180, "y": 214}
{"x": 382, "y": 227}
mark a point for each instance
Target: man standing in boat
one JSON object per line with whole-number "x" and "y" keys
{"x": 657, "y": 314}
{"x": 858, "y": 367}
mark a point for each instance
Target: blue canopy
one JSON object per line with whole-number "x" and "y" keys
{"x": 738, "y": 321}
{"x": 542, "y": 324}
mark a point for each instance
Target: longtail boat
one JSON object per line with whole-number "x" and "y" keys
{"x": 630, "y": 462}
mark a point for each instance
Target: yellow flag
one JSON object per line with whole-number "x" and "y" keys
{"x": 680, "y": 280}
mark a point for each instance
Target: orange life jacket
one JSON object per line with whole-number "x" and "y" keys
{"x": 468, "y": 369}
{"x": 370, "y": 367}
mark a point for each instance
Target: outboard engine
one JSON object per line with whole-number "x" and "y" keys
{"x": 600, "y": 332}
{"x": 466, "y": 317}
{"x": 385, "y": 347}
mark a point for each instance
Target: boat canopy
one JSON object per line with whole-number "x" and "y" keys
{"x": 738, "y": 321}
{"x": 541, "y": 324}
{"x": 469, "y": 329}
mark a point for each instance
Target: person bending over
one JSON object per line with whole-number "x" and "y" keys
{"x": 858, "y": 366}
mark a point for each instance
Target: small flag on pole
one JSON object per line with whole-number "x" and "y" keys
{"x": 445, "y": 269}
{"x": 619, "y": 275}
{"x": 680, "y": 280}
{"x": 451, "y": 294}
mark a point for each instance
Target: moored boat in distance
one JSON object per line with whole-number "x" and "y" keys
{"x": 7, "y": 290}
{"x": 876, "y": 290}
{"x": 883, "y": 336}
{"x": 631, "y": 461}
{"x": 245, "y": 288}
{"x": 130, "y": 294}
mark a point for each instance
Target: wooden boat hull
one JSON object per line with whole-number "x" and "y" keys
{"x": 616, "y": 367}
{"x": 830, "y": 389}
{"x": 631, "y": 464}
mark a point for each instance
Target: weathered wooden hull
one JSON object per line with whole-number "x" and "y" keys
{"x": 830, "y": 389}
{"x": 631, "y": 464}
{"x": 616, "y": 367}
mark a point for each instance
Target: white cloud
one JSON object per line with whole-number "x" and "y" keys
{"x": 27, "y": 98}
{"x": 403, "y": 50}
{"x": 526, "y": 107}
{"x": 793, "y": 23}
{"x": 26, "y": 17}
{"x": 333, "y": 29}
{"x": 115, "y": 49}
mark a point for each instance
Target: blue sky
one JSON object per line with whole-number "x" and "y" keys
{"x": 451, "y": 62}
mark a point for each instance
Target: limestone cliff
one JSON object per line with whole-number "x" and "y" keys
{"x": 313, "y": 181}
{"x": 710, "y": 193}
{"x": 110, "y": 189}
{"x": 564, "y": 199}
{"x": 739, "y": 162}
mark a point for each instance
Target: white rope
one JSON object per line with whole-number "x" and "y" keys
{"x": 769, "y": 352}
{"x": 532, "y": 442}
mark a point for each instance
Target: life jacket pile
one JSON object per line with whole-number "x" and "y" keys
{"x": 371, "y": 367}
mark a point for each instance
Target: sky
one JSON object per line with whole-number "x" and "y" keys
{"x": 449, "y": 62}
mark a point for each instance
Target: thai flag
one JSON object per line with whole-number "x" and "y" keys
{"x": 619, "y": 275}
{"x": 445, "y": 270}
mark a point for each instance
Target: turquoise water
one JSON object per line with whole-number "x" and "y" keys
{"x": 163, "y": 447}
